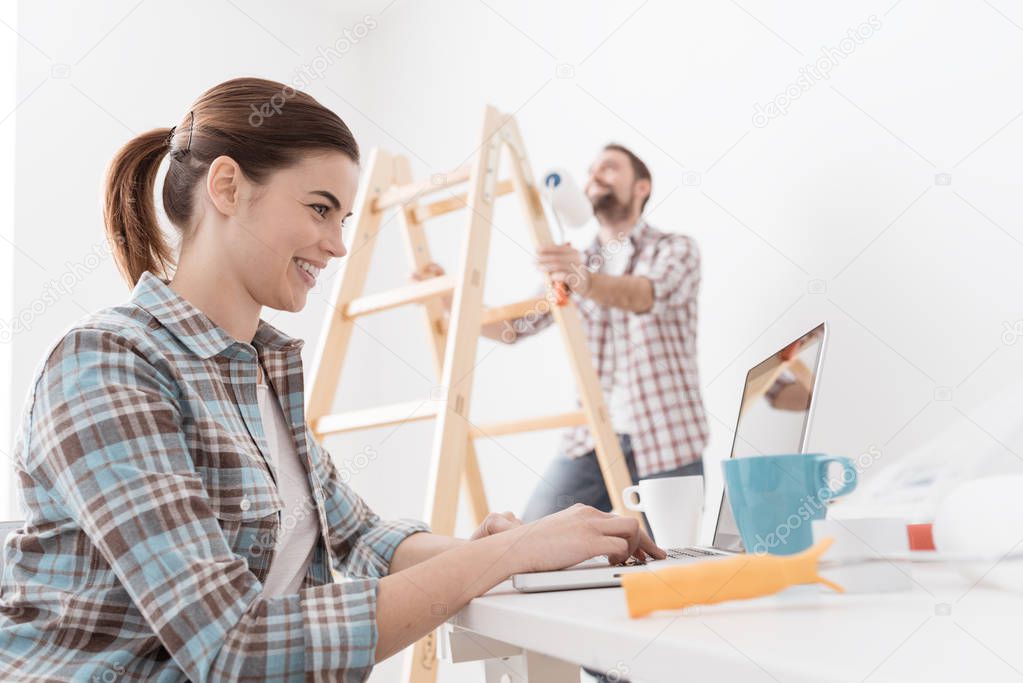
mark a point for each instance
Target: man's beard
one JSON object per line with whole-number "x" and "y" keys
{"x": 609, "y": 208}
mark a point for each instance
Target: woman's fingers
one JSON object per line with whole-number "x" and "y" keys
{"x": 503, "y": 522}
{"x": 639, "y": 542}
{"x": 510, "y": 516}
{"x": 616, "y": 549}
{"x": 647, "y": 545}
{"x": 496, "y": 522}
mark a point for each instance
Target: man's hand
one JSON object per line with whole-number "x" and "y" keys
{"x": 565, "y": 264}
{"x": 432, "y": 270}
{"x": 495, "y": 523}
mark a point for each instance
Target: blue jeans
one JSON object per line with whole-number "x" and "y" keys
{"x": 578, "y": 480}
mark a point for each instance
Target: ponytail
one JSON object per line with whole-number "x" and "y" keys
{"x": 129, "y": 211}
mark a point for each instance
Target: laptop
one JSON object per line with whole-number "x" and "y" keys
{"x": 774, "y": 417}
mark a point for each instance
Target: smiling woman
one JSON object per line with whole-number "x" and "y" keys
{"x": 182, "y": 522}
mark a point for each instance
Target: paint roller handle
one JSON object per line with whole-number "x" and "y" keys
{"x": 560, "y": 293}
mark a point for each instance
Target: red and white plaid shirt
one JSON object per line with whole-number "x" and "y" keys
{"x": 660, "y": 353}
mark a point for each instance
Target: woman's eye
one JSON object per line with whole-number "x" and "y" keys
{"x": 317, "y": 207}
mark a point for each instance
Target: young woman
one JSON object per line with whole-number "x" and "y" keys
{"x": 181, "y": 522}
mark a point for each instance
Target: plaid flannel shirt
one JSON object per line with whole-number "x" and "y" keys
{"x": 151, "y": 513}
{"x": 660, "y": 356}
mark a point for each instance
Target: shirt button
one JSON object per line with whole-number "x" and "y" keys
{"x": 245, "y": 504}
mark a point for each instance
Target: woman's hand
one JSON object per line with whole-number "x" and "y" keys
{"x": 495, "y": 523}
{"x": 577, "y": 534}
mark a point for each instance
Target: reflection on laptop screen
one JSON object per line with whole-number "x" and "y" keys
{"x": 774, "y": 414}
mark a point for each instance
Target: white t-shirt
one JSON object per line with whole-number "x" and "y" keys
{"x": 619, "y": 399}
{"x": 300, "y": 521}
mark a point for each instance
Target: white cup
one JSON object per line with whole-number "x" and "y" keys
{"x": 673, "y": 507}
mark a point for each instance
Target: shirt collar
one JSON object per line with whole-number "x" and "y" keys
{"x": 637, "y": 236}
{"x": 639, "y": 232}
{"x": 193, "y": 327}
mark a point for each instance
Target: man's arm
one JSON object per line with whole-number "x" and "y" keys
{"x": 565, "y": 264}
{"x": 633, "y": 293}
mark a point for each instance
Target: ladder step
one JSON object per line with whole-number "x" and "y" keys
{"x": 443, "y": 206}
{"x": 399, "y": 296}
{"x": 380, "y": 416}
{"x": 403, "y": 194}
{"x": 514, "y": 310}
{"x": 532, "y": 424}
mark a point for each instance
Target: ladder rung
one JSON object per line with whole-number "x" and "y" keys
{"x": 532, "y": 424}
{"x": 380, "y": 416}
{"x": 399, "y": 296}
{"x": 515, "y": 310}
{"x": 443, "y": 206}
{"x": 402, "y": 194}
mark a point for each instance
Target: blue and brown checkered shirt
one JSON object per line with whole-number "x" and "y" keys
{"x": 151, "y": 513}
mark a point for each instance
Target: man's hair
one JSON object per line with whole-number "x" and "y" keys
{"x": 639, "y": 169}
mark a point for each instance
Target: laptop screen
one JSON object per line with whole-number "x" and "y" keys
{"x": 774, "y": 414}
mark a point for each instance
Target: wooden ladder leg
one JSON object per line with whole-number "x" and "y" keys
{"x": 472, "y": 483}
{"x": 418, "y": 251}
{"x": 337, "y": 329}
{"x": 451, "y": 437}
{"x": 591, "y": 395}
{"x": 452, "y": 434}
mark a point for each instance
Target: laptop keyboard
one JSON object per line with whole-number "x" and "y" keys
{"x": 679, "y": 553}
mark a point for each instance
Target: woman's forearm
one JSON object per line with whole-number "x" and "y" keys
{"x": 421, "y": 547}
{"x": 414, "y": 600}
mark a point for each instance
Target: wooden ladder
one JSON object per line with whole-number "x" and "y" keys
{"x": 387, "y": 184}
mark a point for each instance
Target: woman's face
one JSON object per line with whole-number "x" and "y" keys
{"x": 290, "y": 228}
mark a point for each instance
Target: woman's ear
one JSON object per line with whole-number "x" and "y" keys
{"x": 224, "y": 182}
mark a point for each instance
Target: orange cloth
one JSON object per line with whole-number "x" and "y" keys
{"x": 717, "y": 580}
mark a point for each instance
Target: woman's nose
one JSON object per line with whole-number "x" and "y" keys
{"x": 335, "y": 245}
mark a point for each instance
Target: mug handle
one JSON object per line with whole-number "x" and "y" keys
{"x": 849, "y": 474}
{"x": 627, "y": 494}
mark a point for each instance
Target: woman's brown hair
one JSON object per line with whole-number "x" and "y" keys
{"x": 263, "y": 125}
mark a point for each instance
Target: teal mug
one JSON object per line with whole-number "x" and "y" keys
{"x": 775, "y": 498}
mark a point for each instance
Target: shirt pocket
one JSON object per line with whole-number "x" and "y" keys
{"x": 247, "y": 505}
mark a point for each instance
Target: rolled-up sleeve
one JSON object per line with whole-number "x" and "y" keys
{"x": 674, "y": 273}
{"x": 107, "y": 442}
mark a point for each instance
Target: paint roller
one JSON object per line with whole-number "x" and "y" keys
{"x": 570, "y": 207}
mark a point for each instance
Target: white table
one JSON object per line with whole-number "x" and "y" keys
{"x": 941, "y": 630}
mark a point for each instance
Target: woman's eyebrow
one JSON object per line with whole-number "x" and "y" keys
{"x": 330, "y": 197}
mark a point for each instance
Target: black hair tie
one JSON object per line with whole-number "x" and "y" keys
{"x": 177, "y": 154}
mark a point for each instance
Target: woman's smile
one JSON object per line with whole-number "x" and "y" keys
{"x": 307, "y": 271}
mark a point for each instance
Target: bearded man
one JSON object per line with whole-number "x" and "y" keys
{"x": 636, "y": 288}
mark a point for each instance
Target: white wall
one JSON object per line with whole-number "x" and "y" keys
{"x": 8, "y": 116}
{"x": 885, "y": 200}
{"x": 881, "y": 201}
